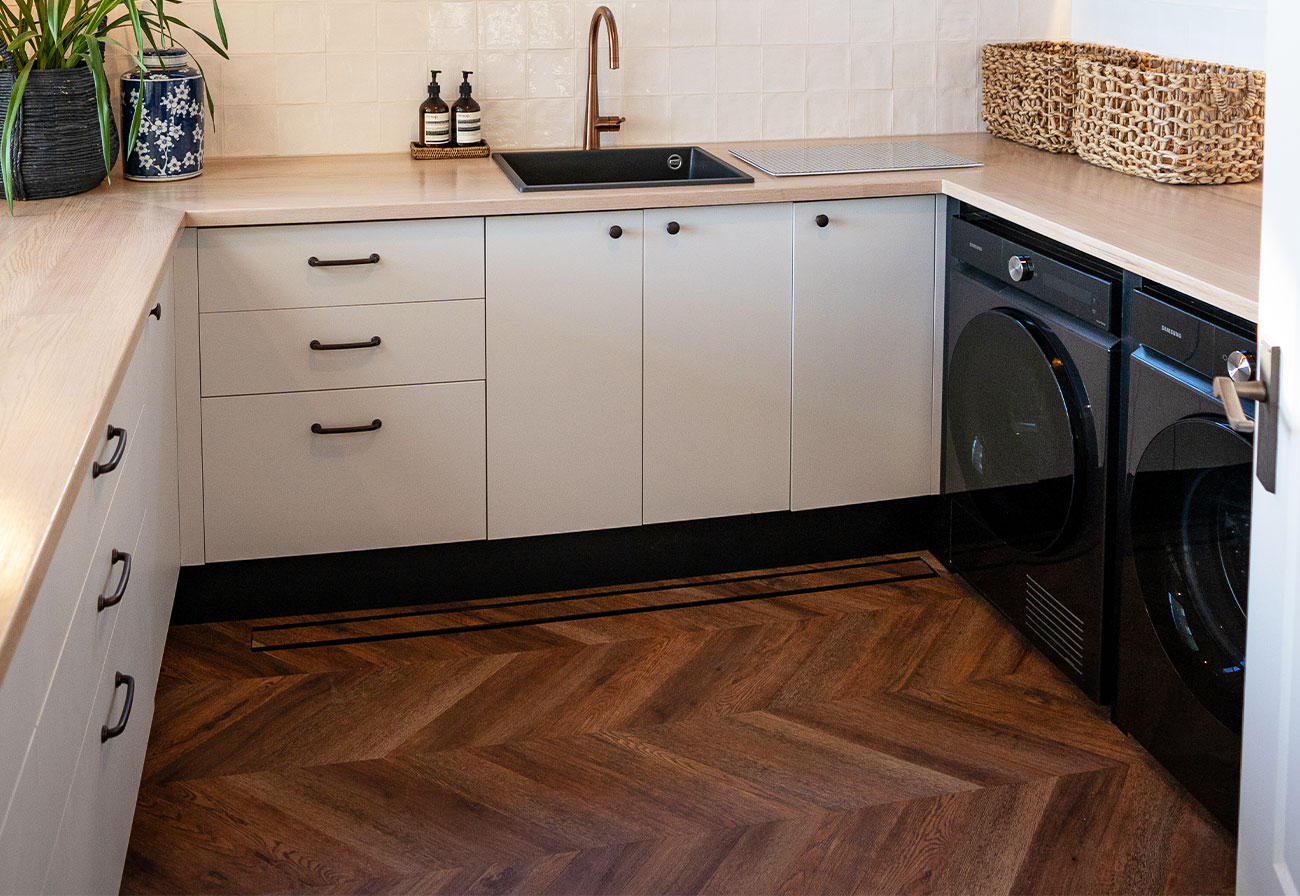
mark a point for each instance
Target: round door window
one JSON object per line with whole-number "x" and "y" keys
{"x": 1012, "y": 430}
{"x": 1190, "y": 522}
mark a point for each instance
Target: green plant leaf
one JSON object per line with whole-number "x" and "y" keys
{"x": 207, "y": 94}
{"x": 221, "y": 26}
{"x": 7, "y": 136}
{"x": 201, "y": 36}
{"x": 95, "y": 61}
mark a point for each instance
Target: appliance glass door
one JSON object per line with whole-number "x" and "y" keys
{"x": 1190, "y": 538}
{"x": 1013, "y": 430}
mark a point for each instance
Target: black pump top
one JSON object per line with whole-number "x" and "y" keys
{"x": 433, "y": 83}
{"x": 464, "y": 87}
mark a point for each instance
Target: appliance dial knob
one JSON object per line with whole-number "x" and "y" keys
{"x": 1241, "y": 367}
{"x": 1020, "y": 267}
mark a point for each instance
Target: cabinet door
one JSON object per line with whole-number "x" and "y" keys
{"x": 564, "y": 373}
{"x": 864, "y": 297}
{"x": 717, "y": 361}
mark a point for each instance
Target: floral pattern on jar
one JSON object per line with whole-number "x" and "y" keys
{"x": 170, "y": 143}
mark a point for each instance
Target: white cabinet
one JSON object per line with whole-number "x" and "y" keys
{"x": 629, "y": 366}
{"x": 717, "y": 361}
{"x": 564, "y": 372}
{"x": 60, "y": 684}
{"x": 342, "y": 401}
{"x": 864, "y": 351}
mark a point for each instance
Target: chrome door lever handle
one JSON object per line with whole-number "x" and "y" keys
{"x": 1231, "y": 393}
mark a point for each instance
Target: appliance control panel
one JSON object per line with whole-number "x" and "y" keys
{"x": 1198, "y": 344}
{"x": 1050, "y": 272}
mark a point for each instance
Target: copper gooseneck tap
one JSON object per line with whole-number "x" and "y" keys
{"x": 595, "y": 122}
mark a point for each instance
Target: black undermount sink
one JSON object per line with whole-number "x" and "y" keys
{"x": 604, "y": 169}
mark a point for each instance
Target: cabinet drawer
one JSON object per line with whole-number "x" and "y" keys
{"x": 27, "y": 840}
{"x": 96, "y": 825}
{"x": 258, "y": 268}
{"x": 273, "y": 487}
{"x": 271, "y": 351}
{"x": 115, "y": 453}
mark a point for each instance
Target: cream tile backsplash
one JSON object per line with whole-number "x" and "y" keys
{"x": 346, "y": 76}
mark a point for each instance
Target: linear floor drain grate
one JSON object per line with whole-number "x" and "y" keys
{"x": 492, "y": 614}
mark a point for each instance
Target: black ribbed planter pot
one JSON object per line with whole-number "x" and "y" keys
{"x": 56, "y": 150}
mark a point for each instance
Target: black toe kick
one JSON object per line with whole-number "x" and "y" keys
{"x": 430, "y": 574}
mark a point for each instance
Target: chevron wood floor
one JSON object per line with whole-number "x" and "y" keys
{"x": 866, "y": 727}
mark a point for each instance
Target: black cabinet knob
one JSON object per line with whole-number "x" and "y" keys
{"x": 156, "y": 311}
{"x": 674, "y": 228}
{"x": 822, "y": 221}
{"x": 615, "y": 232}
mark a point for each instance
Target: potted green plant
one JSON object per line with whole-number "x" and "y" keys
{"x": 58, "y": 135}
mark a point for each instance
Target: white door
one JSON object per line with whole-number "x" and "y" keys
{"x": 864, "y": 352}
{"x": 1268, "y": 856}
{"x": 564, "y": 373}
{"x": 717, "y": 361}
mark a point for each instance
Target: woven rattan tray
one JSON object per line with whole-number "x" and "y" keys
{"x": 450, "y": 152}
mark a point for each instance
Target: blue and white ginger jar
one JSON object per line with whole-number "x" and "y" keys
{"x": 170, "y": 142}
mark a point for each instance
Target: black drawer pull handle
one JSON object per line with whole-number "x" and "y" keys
{"x": 97, "y": 469}
{"x": 342, "y": 430}
{"x": 615, "y": 232}
{"x": 120, "y": 679}
{"x": 317, "y": 346}
{"x": 343, "y": 262}
{"x": 156, "y": 311}
{"x": 822, "y": 221}
{"x": 673, "y": 228}
{"x": 115, "y": 598}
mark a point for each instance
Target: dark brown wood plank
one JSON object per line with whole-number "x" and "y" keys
{"x": 875, "y": 738}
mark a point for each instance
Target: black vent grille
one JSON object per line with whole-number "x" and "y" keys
{"x": 1056, "y": 626}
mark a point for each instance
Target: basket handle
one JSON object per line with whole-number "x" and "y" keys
{"x": 1234, "y": 112}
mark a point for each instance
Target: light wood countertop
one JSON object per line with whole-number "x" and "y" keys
{"x": 76, "y": 274}
{"x": 1201, "y": 240}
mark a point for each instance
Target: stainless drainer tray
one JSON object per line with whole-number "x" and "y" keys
{"x": 850, "y": 158}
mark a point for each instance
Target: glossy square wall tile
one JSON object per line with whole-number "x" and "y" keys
{"x": 350, "y": 27}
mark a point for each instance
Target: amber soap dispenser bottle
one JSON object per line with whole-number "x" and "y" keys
{"x": 435, "y": 117}
{"x": 466, "y": 117}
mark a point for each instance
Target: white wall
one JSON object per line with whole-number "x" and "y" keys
{"x": 1227, "y": 31}
{"x": 347, "y": 76}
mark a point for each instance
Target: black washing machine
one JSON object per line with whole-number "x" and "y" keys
{"x": 1031, "y": 356}
{"x": 1184, "y": 534}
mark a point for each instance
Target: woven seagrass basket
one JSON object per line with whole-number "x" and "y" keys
{"x": 1177, "y": 121}
{"x": 1029, "y": 89}
{"x": 57, "y": 148}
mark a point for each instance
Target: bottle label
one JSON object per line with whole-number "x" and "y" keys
{"x": 437, "y": 128}
{"x": 469, "y": 127}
